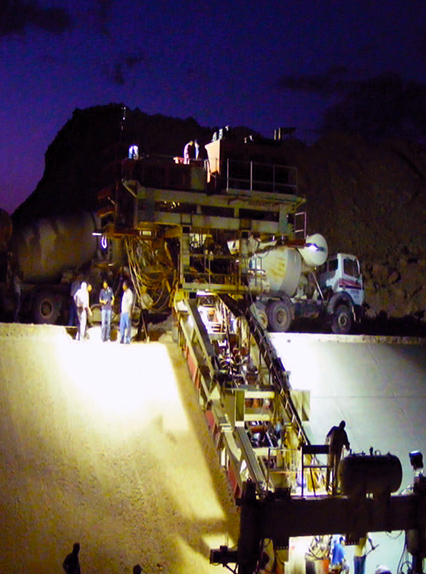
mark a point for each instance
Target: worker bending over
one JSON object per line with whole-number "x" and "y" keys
{"x": 336, "y": 440}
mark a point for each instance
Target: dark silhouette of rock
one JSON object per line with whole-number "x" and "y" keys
{"x": 86, "y": 153}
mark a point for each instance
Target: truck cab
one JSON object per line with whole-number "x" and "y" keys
{"x": 342, "y": 285}
{"x": 340, "y": 273}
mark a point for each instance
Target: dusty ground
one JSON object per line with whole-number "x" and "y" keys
{"x": 105, "y": 444}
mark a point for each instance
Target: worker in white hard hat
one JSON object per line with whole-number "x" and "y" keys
{"x": 188, "y": 152}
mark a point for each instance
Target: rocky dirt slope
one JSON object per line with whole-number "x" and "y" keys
{"x": 105, "y": 444}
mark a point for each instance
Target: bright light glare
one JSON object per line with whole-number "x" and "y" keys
{"x": 116, "y": 382}
{"x": 106, "y": 444}
{"x": 216, "y": 539}
{"x": 126, "y": 388}
{"x": 294, "y": 355}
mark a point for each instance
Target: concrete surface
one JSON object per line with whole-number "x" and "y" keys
{"x": 378, "y": 386}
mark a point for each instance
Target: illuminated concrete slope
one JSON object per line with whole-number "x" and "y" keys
{"x": 105, "y": 444}
{"x": 378, "y": 386}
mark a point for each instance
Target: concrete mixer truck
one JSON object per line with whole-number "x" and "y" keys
{"x": 46, "y": 255}
{"x": 297, "y": 282}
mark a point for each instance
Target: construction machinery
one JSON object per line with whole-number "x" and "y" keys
{"x": 301, "y": 282}
{"x": 192, "y": 233}
{"x": 210, "y": 237}
{"x": 230, "y": 223}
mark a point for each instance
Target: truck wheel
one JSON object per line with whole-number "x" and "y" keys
{"x": 46, "y": 308}
{"x": 341, "y": 321}
{"x": 279, "y": 316}
{"x": 260, "y": 314}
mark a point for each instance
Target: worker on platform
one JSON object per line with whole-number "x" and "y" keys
{"x": 126, "y": 314}
{"x": 360, "y": 554}
{"x": 71, "y": 564}
{"x": 189, "y": 152}
{"x": 82, "y": 302}
{"x": 106, "y": 299}
{"x": 336, "y": 439}
{"x": 196, "y": 150}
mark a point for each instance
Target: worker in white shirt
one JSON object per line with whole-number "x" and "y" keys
{"x": 126, "y": 314}
{"x": 82, "y": 303}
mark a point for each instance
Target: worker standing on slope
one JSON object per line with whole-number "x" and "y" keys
{"x": 75, "y": 286}
{"x": 106, "y": 299}
{"x": 126, "y": 314}
{"x": 336, "y": 439}
{"x": 71, "y": 564}
{"x": 82, "y": 303}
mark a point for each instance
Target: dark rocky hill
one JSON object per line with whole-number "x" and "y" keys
{"x": 371, "y": 200}
{"x": 368, "y": 199}
{"x": 81, "y": 158}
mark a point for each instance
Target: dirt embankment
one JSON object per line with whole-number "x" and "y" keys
{"x": 105, "y": 444}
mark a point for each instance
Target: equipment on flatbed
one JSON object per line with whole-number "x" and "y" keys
{"x": 231, "y": 223}
{"x": 209, "y": 239}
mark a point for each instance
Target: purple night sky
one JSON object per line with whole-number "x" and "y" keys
{"x": 262, "y": 64}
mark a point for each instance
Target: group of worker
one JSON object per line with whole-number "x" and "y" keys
{"x": 71, "y": 564}
{"x": 339, "y": 563}
{"x": 80, "y": 307}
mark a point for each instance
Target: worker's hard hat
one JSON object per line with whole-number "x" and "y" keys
{"x": 381, "y": 569}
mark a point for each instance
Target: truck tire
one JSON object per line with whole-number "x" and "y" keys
{"x": 341, "y": 320}
{"x": 260, "y": 314}
{"x": 46, "y": 308}
{"x": 280, "y": 316}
